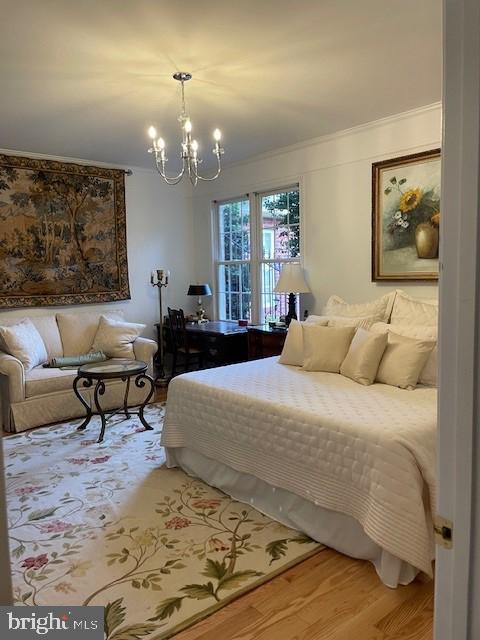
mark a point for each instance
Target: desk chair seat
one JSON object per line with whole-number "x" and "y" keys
{"x": 181, "y": 342}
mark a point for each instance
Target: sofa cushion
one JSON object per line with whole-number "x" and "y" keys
{"x": 78, "y": 330}
{"x": 115, "y": 338}
{"x": 47, "y": 327}
{"x": 39, "y": 381}
{"x": 23, "y": 341}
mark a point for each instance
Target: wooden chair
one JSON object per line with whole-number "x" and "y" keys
{"x": 180, "y": 341}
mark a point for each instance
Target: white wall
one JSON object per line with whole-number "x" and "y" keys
{"x": 335, "y": 177}
{"x": 159, "y": 234}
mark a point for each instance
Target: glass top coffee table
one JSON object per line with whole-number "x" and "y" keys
{"x": 100, "y": 372}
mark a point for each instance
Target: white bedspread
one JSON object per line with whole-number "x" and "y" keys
{"x": 368, "y": 452}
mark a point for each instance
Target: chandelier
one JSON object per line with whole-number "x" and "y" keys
{"x": 189, "y": 147}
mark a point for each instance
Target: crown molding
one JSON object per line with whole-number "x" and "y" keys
{"x": 373, "y": 124}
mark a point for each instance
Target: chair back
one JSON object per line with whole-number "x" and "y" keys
{"x": 178, "y": 331}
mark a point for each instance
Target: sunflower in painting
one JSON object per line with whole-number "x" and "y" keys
{"x": 410, "y": 200}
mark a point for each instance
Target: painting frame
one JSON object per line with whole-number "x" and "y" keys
{"x": 378, "y": 188}
{"x": 118, "y": 291}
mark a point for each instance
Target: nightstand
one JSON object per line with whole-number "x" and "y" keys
{"x": 264, "y": 342}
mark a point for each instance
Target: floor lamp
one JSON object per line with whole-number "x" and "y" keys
{"x": 159, "y": 278}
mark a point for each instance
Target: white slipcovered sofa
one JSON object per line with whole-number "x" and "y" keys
{"x": 45, "y": 395}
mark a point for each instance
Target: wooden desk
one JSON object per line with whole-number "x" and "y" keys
{"x": 224, "y": 342}
{"x": 264, "y": 342}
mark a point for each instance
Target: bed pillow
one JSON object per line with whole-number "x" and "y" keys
{"x": 379, "y": 308}
{"x": 325, "y": 348}
{"x": 364, "y": 356}
{"x": 429, "y": 373}
{"x": 408, "y": 311}
{"x": 292, "y": 352}
{"x": 342, "y": 321}
{"x": 115, "y": 338}
{"x": 403, "y": 361}
{"x": 24, "y": 342}
{"x": 321, "y": 320}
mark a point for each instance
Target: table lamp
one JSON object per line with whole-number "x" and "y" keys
{"x": 291, "y": 280}
{"x": 200, "y": 290}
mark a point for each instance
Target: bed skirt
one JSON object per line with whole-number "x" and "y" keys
{"x": 333, "y": 529}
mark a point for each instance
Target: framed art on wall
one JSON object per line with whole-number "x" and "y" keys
{"x": 62, "y": 233}
{"x": 406, "y": 217}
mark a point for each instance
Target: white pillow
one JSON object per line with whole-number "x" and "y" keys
{"x": 403, "y": 360}
{"x": 115, "y": 338}
{"x": 23, "y": 341}
{"x": 364, "y": 356}
{"x": 325, "y": 348}
{"x": 408, "y": 311}
{"x": 292, "y": 352}
{"x": 343, "y": 321}
{"x": 379, "y": 308}
{"x": 320, "y": 320}
{"x": 429, "y": 373}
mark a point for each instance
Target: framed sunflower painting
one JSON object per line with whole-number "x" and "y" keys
{"x": 406, "y": 217}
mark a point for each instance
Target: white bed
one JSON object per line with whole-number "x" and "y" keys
{"x": 352, "y": 466}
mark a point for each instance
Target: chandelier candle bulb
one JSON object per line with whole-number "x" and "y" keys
{"x": 152, "y": 132}
{"x": 217, "y": 135}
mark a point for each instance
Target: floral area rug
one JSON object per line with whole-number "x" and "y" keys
{"x": 108, "y": 524}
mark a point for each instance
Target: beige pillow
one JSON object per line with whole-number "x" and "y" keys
{"x": 429, "y": 374}
{"x": 363, "y": 357}
{"x": 23, "y": 341}
{"x": 78, "y": 330}
{"x": 409, "y": 311}
{"x": 343, "y": 321}
{"x": 115, "y": 338}
{"x": 403, "y": 360}
{"x": 380, "y": 308}
{"x": 292, "y": 352}
{"x": 325, "y": 348}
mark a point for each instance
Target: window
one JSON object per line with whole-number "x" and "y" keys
{"x": 256, "y": 236}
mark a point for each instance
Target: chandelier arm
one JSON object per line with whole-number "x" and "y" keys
{"x": 172, "y": 180}
{"x": 215, "y": 176}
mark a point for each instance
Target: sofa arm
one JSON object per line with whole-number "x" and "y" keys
{"x": 13, "y": 370}
{"x": 144, "y": 350}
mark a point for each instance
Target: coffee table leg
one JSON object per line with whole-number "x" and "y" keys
{"x": 99, "y": 391}
{"x": 86, "y": 383}
{"x": 140, "y": 382}
{"x": 125, "y": 397}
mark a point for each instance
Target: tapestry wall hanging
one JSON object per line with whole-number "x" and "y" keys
{"x": 62, "y": 233}
{"x": 406, "y": 217}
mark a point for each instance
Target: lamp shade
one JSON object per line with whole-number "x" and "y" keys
{"x": 199, "y": 290}
{"x": 291, "y": 279}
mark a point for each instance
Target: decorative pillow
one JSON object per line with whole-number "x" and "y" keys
{"x": 23, "y": 341}
{"x": 78, "y": 330}
{"x": 292, "y": 352}
{"x": 408, "y": 311}
{"x": 320, "y": 320}
{"x": 363, "y": 357}
{"x": 379, "y": 308}
{"x": 364, "y": 323}
{"x": 342, "y": 321}
{"x": 429, "y": 373}
{"x": 115, "y": 338}
{"x": 403, "y": 360}
{"x": 325, "y": 348}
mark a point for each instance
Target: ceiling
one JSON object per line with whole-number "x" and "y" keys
{"x": 85, "y": 79}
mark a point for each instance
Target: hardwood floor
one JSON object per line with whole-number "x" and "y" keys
{"x": 327, "y": 597}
